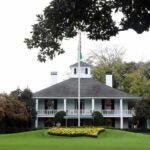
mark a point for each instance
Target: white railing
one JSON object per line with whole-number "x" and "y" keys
{"x": 86, "y": 112}
{"x": 82, "y": 112}
{"x": 46, "y": 113}
{"x": 116, "y": 113}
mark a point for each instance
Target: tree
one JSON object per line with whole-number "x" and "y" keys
{"x": 108, "y": 60}
{"x": 142, "y": 109}
{"x": 13, "y": 113}
{"x": 16, "y": 92}
{"x": 132, "y": 83}
{"x": 26, "y": 97}
{"x": 131, "y": 77}
{"x": 142, "y": 112}
{"x": 64, "y": 18}
{"x": 136, "y": 79}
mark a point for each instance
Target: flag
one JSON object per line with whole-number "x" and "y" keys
{"x": 79, "y": 48}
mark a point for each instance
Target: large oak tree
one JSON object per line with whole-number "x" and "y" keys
{"x": 65, "y": 18}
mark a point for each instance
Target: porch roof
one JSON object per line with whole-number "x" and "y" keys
{"x": 90, "y": 88}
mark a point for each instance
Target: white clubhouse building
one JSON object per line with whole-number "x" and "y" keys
{"x": 95, "y": 96}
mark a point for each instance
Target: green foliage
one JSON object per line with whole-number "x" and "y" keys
{"x": 132, "y": 83}
{"x": 59, "y": 117}
{"x": 26, "y": 96}
{"x": 64, "y": 18}
{"x": 98, "y": 119}
{"x": 142, "y": 109}
{"x": 50, "y": 122}
{"x": 16, "y": 92}
{"x": 108, "y": 60}
{"x": 131, "y": 77}
{"x": 137, "y": 83}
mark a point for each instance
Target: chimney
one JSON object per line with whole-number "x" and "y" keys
{"x": 53, "y": 77}
{"x": 109, "y": 79}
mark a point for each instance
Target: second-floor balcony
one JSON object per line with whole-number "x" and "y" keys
{"x": 86, "y": 112}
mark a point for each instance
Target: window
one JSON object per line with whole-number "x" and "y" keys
{"x": 86, "y": 70}
{"x": 49, "y": 104}
{"x": 75, "y": 71}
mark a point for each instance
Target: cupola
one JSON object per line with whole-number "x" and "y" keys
{"x": 85, "y": 70}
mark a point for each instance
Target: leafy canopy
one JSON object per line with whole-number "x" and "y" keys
{"x": 131, "y": 77}
{"x": 64, "y": 18}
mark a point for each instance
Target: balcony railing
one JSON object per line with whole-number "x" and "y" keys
{"x": 86, "y": 112}
{"x": 75, "y": 112}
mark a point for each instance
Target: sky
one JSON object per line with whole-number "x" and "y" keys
{"x": 19, "y": 67}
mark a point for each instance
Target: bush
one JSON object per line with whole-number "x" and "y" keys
{"x": 98, "y": 119}
{"x": 59, "y": 117}
{"x": 50, "y": 122}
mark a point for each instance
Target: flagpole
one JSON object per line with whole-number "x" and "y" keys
{"x": 79, "y": 50}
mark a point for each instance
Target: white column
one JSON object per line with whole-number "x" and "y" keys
{"x": 36, "y": 122}
{"x": 36, "y": 109}
{"x": 121, "y": 114}
{"x": 93, "y": 104}
{"x": 148, "y": 123}
{"x": 65, "y": 104}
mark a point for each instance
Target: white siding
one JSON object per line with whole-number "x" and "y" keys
{"x": 82, "y": 72}
{"x": 40, "y": 123}
{"x": 98, "y": 104}
{"x": 125, "y": 123}
{"x": 117, "y": 122}
{"x": 125, "y": 104}
{"x": 117, "y": 104}
{"x": 41, "y": 104}
{"x": 60, "y": 104}
{"x": 88, "y": 104}
{"x": 70, "y": 104}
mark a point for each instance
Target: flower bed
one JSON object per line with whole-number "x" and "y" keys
{"x": 87, "y": 131}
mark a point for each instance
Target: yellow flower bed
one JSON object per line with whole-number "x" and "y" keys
{"x": 87, "y": 131}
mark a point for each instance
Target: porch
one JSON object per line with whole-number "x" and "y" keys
{"x": 110, "y": 108}
{"x": 85, "y": 112}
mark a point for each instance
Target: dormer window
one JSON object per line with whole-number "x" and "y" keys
{"x": 86, "y": 70}
{"x": 75, "y": 71}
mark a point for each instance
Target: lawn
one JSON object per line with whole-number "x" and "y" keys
{"x": 108, "y": 140}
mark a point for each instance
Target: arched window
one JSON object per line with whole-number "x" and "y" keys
{"x": 86, "y": 70}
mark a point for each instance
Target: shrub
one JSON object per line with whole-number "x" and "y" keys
{"x": 50, "y": 122}
{"x": 59, "y": 117}
{"x": 97, "y": 118}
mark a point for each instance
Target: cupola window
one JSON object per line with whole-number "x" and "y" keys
{"x": 86, "y": 70}
{"x": 75, "y": 71}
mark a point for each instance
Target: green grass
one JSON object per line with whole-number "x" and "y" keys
{"x": 108, "y": 140}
